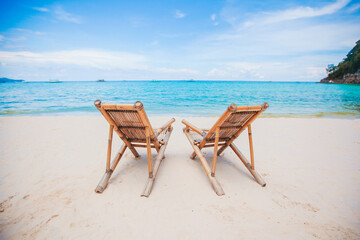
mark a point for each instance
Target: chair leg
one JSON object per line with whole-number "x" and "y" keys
{"x": 148, "y": 147}
{"x": 159, "y": 158}
{"x": 213, "y": 167}
{"x": 255, "y": 174}
{"x": 133, "y": 150}
{"x": 111, "y": 130}
{"x": 105, "y": 179}
{"x": 251, "y": 148}
{"x": 215, "y": 184}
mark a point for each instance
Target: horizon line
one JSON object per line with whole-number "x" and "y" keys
{"x": 177, "y": 80}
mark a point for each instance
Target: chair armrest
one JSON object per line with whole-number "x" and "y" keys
{"x": 165, "y": 126}
{"x": 192, "y": 127}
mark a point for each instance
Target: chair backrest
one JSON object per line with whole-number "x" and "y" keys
{"x": 234, "y": 120}
{"x": 131, "y": 120}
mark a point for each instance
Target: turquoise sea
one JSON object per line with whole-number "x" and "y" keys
{"x": 181, "y": 98}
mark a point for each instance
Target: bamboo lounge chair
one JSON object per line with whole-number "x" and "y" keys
{"x": 229, "y": 126}
{"x": 132, "y": 125}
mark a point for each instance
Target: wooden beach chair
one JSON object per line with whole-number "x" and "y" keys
{"x": 132, "y": 125}
{"x": 229, "y": 126}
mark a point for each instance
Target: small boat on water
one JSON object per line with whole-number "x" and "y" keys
{"x": 54, "y": 81}
{"x": 100, "y": 80}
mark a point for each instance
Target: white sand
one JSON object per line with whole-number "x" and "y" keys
{"x": 50, "y": 166}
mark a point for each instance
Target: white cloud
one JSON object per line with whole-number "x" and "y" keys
{"x": 354, "y": 8}
{"x": 315, "y": 72}
{"x": 215, "y": 72}
{"x": 154, "y": 43}
{"x": 179, "y": 14}
{"x": 178, "y": 70}
{"x": 62, "y": 15}
{"x": 243, "y": 70}
{"x": 87, "y": 65}
{"x": 87, "y": 58}
{"x": 296, "y": 13}
{"x": 41, "y": 9}
{"x": 277, "y": 40}
{"x": 12, "y": 39}
{"x": 213, "y": 17}
{"x": 28, "y": 31}
{"x": 282, "y": 51}
{"x": 12, "y": 46}
{"x": 17, "y": 39}
{"x": 93, "y": 64}
{"x": 268, "y": 71}
{"x": 176, "y": 35}
{"x": 295, "y": 51}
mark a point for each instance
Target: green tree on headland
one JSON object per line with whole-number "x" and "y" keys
{"x": 350, "y": 64}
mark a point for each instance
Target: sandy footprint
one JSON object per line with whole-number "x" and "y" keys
{"x": 286, "y": 202}
{"x": 6, "y": 203}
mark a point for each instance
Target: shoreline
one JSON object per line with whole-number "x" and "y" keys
{"x": 327, "y": 115}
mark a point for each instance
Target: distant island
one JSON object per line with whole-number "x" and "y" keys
{"x": 5, "y": 80}
{"x": 347, "y": 71}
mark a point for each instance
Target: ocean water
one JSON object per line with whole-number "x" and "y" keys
{"x": 181, "y": 98}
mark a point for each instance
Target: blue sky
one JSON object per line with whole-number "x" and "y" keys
{"x": 175, "y": 40}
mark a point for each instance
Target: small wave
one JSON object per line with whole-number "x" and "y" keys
{"x": 16, "y": 112}
{"x": 315, "y": 115}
